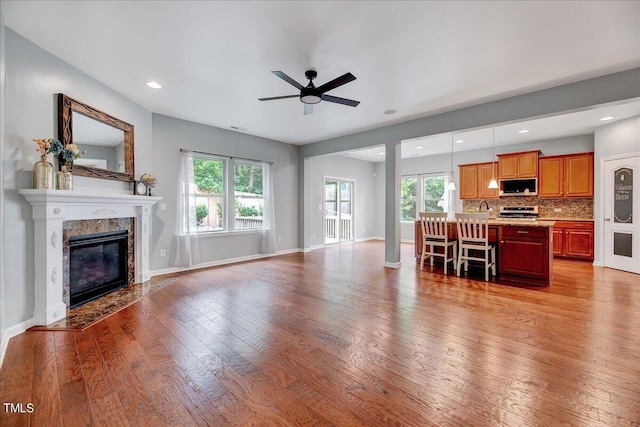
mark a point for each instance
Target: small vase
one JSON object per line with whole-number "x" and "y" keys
{"x": 42, "y": 175}
{"x": 64, "y": 178}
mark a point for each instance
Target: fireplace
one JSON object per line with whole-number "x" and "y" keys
{"x": 97, "y": 265}
{"x": 54, "y": 215}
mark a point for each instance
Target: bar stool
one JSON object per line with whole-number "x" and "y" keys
{"x": 473, "y": 233}
{"x": 434, "y": 234}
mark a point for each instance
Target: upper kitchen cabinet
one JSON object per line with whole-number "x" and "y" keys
{"x": 566, "y": 176}
{"x": 474, "y": 181}
{"x": 518, "y": 165}
{"x": 468, "y": 181}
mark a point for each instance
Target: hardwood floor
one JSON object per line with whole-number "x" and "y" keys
{"x": 331, "y": 337}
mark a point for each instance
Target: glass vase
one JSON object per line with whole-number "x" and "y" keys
{"x": 42, "y": 175}
{"x": 64, "y": 178}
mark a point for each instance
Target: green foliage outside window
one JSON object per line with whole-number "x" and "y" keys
{"x": 201, "y": 212}
{"x": 433, "y": 193}
{"x": 208, "y": 175}
{"x": 408, "y": 194}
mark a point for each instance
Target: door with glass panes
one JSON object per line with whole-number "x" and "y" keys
{"x": 338, "y": 210}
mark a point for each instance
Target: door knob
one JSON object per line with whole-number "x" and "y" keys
{"x": 607, "y": 219}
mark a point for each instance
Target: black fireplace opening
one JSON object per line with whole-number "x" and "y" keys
{"x": 97, "y": 265}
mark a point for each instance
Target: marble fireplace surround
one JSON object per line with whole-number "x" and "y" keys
{"x": 50, "y": 209}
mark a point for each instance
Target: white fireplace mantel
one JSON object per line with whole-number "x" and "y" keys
{"x": 50, "y": 209}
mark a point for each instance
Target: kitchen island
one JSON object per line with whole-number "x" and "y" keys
{"x": 524, "y": 250}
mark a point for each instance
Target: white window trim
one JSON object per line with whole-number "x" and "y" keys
{"x": 228, "y": 198}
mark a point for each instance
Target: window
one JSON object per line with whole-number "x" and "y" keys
{"x": 408, "y": 198}
{"x": 434, "y": 193}
{"x": 249, "y": 200}
{"x": 426, "y": 192}
{"x": 208, "y": 176}
{"x": 227, "y": 203}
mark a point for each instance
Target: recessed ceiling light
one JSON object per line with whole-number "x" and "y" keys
{"x": 390, "y": 111}
{"x": 523, "y": 131}
{"x": 460, "y": 141}
{"x": 604, "y": 119}
{"x": 419, "y": 147}
{"x": 381, "y": 153}
{"x": 154, "y": 85}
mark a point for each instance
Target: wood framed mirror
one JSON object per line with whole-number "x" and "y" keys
{"x": 108, "y": 141}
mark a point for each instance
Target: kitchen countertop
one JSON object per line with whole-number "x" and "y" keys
{"x": 514, "y": 222}
{"x": 565, "y": 218}
{"x": 522, "y": 223}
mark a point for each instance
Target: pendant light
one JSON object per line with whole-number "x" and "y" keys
{"x": 451, "y": 185}
{"x": 493, "y": 184}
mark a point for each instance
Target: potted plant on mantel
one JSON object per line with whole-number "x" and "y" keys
{"x": 66, "y": 156}
{"x": 43, "y": 169}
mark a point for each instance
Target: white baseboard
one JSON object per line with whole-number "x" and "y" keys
{"x": 393, "y": 264}
{"x": 216, "y": 263}
{"x": 597, "y": 264}
{"x": 366, "y": 239}
{"x": 11, "y": 332}
{"x": 407, "y": 241}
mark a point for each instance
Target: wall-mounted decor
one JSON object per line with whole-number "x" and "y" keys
{"x": 108, "y": 141}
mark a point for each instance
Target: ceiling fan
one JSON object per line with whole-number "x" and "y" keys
{"x": 311, "y": 94}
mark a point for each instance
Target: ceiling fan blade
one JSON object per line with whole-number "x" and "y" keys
{"x": 308, "y": 109}
{"x": 343, "y": 101}
{"x": 344, "y": 79}
{"x": 278, "y": 97}
{"x": 287, "y": 79}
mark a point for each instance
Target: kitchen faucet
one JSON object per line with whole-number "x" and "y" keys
{"x": 485, "y": 203}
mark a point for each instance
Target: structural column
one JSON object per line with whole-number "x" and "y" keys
{"x": 392, "y": 205}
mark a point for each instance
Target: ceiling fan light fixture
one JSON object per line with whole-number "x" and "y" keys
{"x": 310, "y": 99}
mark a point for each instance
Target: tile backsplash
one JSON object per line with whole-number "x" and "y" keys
{"x": 570, "y": 207}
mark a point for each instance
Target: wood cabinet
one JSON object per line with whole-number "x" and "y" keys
{"x": 578, "y": 175}
{"x": 468, "y": 181}
{"x": 518, "y": 165}
{"x": 525, "y": 255}
{"x": 474, "y": 181}
{"x": 566, "y": 176}
{"x": 573, "y": 239}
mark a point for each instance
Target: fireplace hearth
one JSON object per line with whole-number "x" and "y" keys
{"x": 97, "y": 265}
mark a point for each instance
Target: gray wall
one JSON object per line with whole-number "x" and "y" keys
{"x": 342, "y": 167}
{"x": 33, "y": 77}
{"x": 169, "y": 136}
{"x": 2, "y": 130}
{"x": 615, "y": 139}
{"x": 441, "y": 162}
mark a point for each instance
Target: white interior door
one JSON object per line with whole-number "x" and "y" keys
{"x": 621, "y": 219}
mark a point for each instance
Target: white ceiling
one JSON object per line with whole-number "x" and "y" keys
{"x": 214, "y": 59}
{"x": 559, "y": 126}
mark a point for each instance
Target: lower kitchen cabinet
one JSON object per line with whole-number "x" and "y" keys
{"x": 573, "y": 239}
{"x": 525, "y": 254}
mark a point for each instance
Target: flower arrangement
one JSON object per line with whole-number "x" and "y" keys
{"x": 149, "y": 179}
{"x": 46, "y": 146}
{"x": 68, "y": 154}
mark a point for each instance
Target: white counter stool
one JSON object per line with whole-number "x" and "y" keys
{"x": 434, "y": 234}
{"x": 473, "y": 233}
